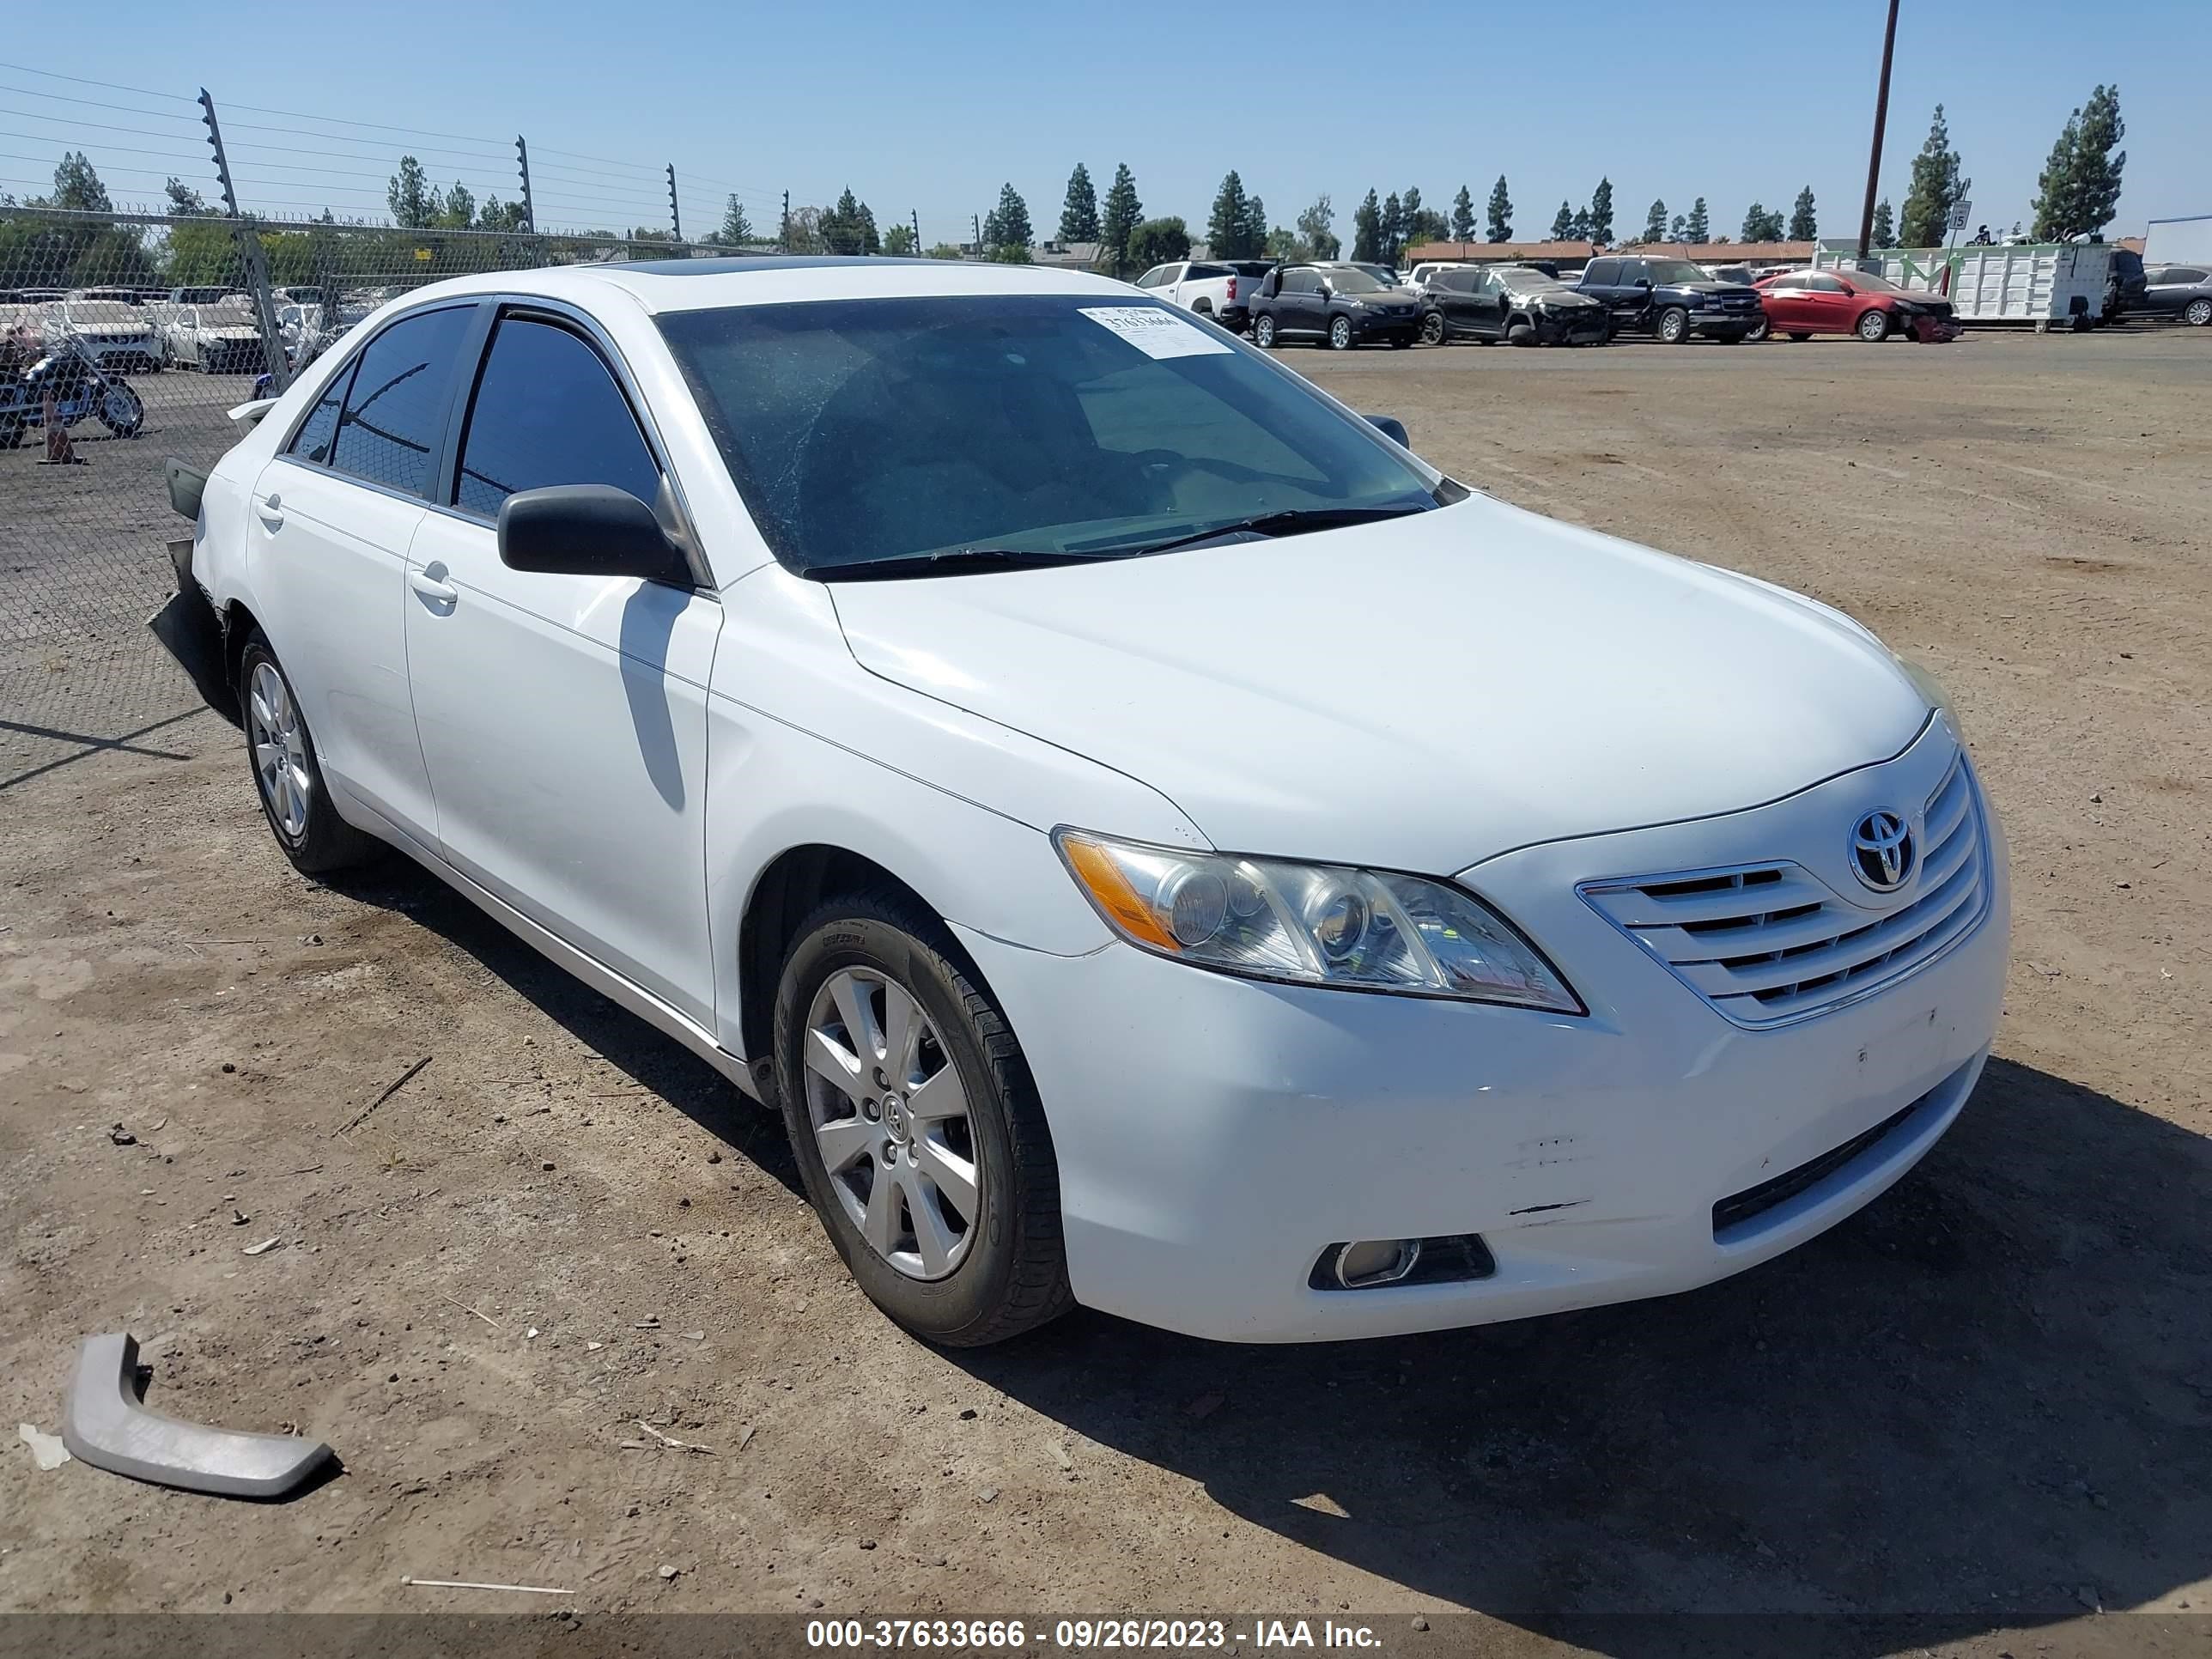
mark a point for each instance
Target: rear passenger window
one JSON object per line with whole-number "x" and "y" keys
{"x": 1602, "y": 270}
{"x": 390, "y": 428}
{"x": 547, "y": 411}
{"x": 312, "y": 442}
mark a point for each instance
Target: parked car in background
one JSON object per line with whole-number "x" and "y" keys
{"x": 117, "y": 336}
{"x": 2183, "y": 291}
{"x": 1340, "y": 306}
{"x": 1513, "y": 303}
{"x": 22, "y": 342}
{"x": 711, "y": 624}
{"x": 222, "y": 338}
{"x": 1220, "y": 288}
{"x": 1804, "y": 303}
{"x": 1670, "y": 299}
{"x": 1385, "y": 274}
{"x": 1423, "y": 274}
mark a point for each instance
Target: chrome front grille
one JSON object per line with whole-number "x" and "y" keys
{"x": 1767, "y": 943}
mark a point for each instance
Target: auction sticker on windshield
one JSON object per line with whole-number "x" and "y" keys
{"x": 1154, "y": 331}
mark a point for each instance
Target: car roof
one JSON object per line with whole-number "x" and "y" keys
{"x": 672, "y": 285}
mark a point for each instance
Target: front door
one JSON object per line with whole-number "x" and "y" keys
{"x": 563, "y": 718}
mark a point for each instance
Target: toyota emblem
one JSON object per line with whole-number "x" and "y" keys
{"x": 1882, "y": 851}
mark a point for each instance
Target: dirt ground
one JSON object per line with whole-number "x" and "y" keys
{"x": 1978, "y": 1411}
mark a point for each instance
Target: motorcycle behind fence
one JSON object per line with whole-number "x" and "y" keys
{"x": 68, "y": 375}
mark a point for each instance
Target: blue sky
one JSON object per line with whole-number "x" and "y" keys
{"x": 931, "y": 108}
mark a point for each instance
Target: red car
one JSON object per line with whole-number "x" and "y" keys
{"x": 1804, "y": 303}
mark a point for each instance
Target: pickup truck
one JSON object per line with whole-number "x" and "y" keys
{"x": 1220, "y": 288}
{"x": 1670, "y": 299}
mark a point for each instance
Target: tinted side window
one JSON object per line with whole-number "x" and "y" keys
{"x": 548, "y": 412}
{"x": 1602, "y": 270}
{"x": 2182, "y": 276}
{"x": 312, "y": 442}
{"x": 391, "y": 425}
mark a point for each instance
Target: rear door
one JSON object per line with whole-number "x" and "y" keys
{"x": 564, "y": 717}
{"x": 2170, "y": 289}
{"x": 327, "y": 547}
{"x": 1600, "y": 279}
{"x": 1783, "y": 299}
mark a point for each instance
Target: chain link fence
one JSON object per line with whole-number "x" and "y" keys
{"x": 132, "y": 336}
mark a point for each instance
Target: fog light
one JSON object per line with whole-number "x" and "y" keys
{"x": 1376, "y": 1262}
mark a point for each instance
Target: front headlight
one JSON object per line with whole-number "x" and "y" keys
{"x": 1311, "y": 924}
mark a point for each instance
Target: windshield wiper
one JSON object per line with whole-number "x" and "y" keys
{"x": 1292, "y": 521}
{"x": 949, "y": 561}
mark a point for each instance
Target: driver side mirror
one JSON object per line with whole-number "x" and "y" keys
{"x": 1643, "y": 282}
{"x": 1391, "y": 428}
{"x": 1325, "y": 290}
{"x": 588, "y": 530}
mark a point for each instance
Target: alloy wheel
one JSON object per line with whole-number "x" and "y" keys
{"x": 1340, "y": 335}
{"x": 1672, "y": 327}
{"x": 1433, "y": 329}
{"x": 890, "y": 1116}
{"x": 280, "y": 750}
{"x": 2199, "y": 312}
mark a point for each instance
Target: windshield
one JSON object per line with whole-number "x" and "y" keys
{"x": 1867, "y": 282}
{"x": 230, "y": 314}
{"x": 861, "y": 430}
{"x": 1674, "y": 270}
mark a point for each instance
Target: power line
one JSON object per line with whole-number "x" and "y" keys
{"x": 121, "y": 149}
{"x": 78, "y": 80}
{"x": 373, "y": 127}
{"x": 97, "y": 126}
{"x": 94, "y": 103}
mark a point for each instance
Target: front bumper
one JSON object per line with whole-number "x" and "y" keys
{"x": 1215, "y": 1136}
{"x": 1376, "y": 327}
{"x": 1716, "y": 323}
{"x": 1572, "y": 328}
{"x": 1933, "y": 330}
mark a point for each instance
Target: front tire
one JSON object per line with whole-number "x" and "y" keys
{"x": 1340, "y": 334}
{"x": 1520, "y": 334}
{"x": 2197, "y": 312}
{"x": 120, "y": 410}
{"x": 288, "y": 776}
{"x": 916, "y": 1125}
{"x": 1433, "y": 329}
{"x": 1874, "y": 327}
{"x": 1674, "y": 325}
{"x": 1263, "y": 332}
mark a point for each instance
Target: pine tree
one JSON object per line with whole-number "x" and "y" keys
{"x": 1700, "y": 226}
{"x": 1122, "y": 214}
{"x": 1255, "y": 238}
{"x": 1884, "y": 225}
{"x": 1601, "y": 212}
{"x": 1681, "y": 229}
{"x": 1500, "y": 212}
{"x": 1578, "y": 228}
{"x": 1316, "y": 229}
{"x": 1756, "y": 221}
{"x": 1804, "y": 223}
{"x": 184, "y": 200}
{"x": 2079, "y": 190}
{"x": 1230, "y": 224}
{"x": 1655, "y": 223}
{"x": 737, "y": 229}
{"x": 1563, "y": 223}
{"x": 1462, "y": 216}
{"x": 1937, "y": 187}
{"x": 1007, "y": 230}
{"x": 414, "y": 202}
{"x": 458, "y": 209}
{"x": 1367, "y": 229}
{"x": 1392, "y": 227}
{"x": 1079, "y": 214}
{"x": 77, "y": 186}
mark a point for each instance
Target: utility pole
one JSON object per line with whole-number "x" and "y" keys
{"x": 1881, "y": 120}
{"x": 529, "y": 209}
{"x": 675, "y": 213}
{"x": 249, "y": 254}
{"x": 913, "y": 218}
{"x": 787, "y": 222}
{"x": 976, "y": 219}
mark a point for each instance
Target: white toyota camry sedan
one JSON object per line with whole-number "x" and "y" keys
{"x": 1162, "y": 845}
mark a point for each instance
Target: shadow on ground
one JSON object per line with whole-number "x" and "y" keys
{"x": 1984, "y": 1402}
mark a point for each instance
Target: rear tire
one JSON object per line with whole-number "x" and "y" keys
{"x": 1800, "y": 336}
{"x": 1760, "y": 332}
{"x": 1008, "y": 1270}
{"x": 120, "y": 410}
{"x": 1674, "y": 328}
{"x": 1873, "y": 327}
{"x": 1263, "y": 332}
{"x": 288, "y": 776}
{"x": 2197, "y": 312}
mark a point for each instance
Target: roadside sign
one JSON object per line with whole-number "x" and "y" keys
{"x": 1962, "y": 214}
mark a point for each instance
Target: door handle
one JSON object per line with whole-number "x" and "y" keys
{"x": 271, "y": 511}
{"x": 431, "y": 588}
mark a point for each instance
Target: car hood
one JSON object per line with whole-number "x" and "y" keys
{"x": 1719, "y": 289}
{"x": 1565, "y": 298}
{"x": 1418, "y": 694}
